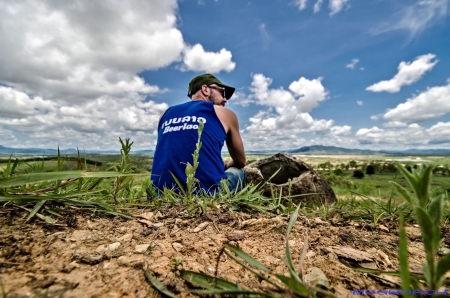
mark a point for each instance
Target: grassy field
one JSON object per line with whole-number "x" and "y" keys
{"x": 376, "y": 185}
{"x": 30, "y": 164}
{"x": 369, "y": 198}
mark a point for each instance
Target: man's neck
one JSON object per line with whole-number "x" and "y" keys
{"x": 199, "y": 98}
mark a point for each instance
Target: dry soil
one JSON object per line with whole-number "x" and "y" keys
{"x": 92, "y": 255}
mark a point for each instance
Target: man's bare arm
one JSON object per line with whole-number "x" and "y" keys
{"x": 235, "y": 144}
{"x": 234, "y": 141}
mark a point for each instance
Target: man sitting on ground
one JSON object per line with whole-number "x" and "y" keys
{"x": 177, "y": 138}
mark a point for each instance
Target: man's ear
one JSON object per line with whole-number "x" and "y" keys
{"x": 205, "y": 90}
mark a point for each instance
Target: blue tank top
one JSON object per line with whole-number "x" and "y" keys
{"x": 177, "y": 138}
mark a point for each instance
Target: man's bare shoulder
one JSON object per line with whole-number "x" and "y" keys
{"x": 224, "y": 111}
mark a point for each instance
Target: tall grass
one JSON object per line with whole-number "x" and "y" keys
{"x": 50, "y": 192}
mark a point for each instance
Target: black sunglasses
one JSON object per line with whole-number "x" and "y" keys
{"x": 220, "y": 89}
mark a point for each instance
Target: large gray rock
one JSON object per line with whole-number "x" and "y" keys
{"x": 304, "y": 179}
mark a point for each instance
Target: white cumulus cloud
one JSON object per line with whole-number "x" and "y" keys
{"x": 439, "y": 133}
{"x": 310, "y": 93}
{"x": 56, "y": 122}
{"x": 336, "y": 6}
{"x": 197, "y": 59}
{"x": 17, "y": 104}
{"x": 65, "y": 50}
{"x": 412, "y": 135}
{"x": 69, "y": 70}
{"x": 429, "y": 104}
{"x": 406, "y": 136}
{"x": 391, "y": 124}
{"x": 287, "y": 114}
{"x": 341, "y": 130}
{"x": 408, "y": 73}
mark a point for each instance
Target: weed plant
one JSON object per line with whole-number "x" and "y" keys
{"x": 427, "y": 207}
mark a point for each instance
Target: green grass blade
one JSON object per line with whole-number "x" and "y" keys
{"x": 115, "y": 213}
{"x": 234, "y": 293}
{"x": 158, "y": 285}
{"x": 434, "y": 210}
{"x": 389, "y": 273}
{"x": 109, "y": 174}
{"x": 58, "y": 162}
{"x": 35, "y": 210}
{"x": 49, "y": 197}
{"x": 207, "y": 281}
{"x": 370, "y": 199}
{"x": 40, "y": 216}
{"x": 409, "y": 177}
{"x": 13, "y": 168}
{"x": 442, "y": 267}
{"x": 247, "y": 258}
{"x": 403, "y": 256}
{"x": 180, "y": 186}
{"x": 42, "y": 165}
{"x": 289, "y": 262}
{"x": 423, "y": 185}
{"x": 52, "y": 212}
{"x": 94, "y": 184}
{"x": 40, "y": 177}
{"x": 7, "y": 168}
{"x": 262, "y": 277}
{"x": 403, "y": 192}
{"x": 293, "y": 284}
{"x": 430, "y": 232}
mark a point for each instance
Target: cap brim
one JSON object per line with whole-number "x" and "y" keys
{"x": 229, "y": 91}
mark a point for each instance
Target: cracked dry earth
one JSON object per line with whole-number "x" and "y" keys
{"x": 101, "y": 256}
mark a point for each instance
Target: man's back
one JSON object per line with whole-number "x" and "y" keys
{"x": 177, "y": 138}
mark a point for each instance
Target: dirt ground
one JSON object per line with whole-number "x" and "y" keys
{"x": 94, "y": 255}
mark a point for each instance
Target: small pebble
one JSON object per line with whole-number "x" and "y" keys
{"x": 177, "y": 246}
{"x": 141, "y": 248}
{"x": 201, "y": 227}
{"x": 235, "y": 235}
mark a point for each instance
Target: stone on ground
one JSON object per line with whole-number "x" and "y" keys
{"x": 304, "y": 180}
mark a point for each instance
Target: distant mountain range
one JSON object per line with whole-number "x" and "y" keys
{"x": 332, "y": 150}
{"x": 54, "y": 152}
{"x": 307, "y": 150}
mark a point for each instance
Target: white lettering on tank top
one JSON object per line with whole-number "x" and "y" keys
{"x": 188, "y": 122}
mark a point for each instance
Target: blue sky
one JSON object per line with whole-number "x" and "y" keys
{"x": 369, "y": 74}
